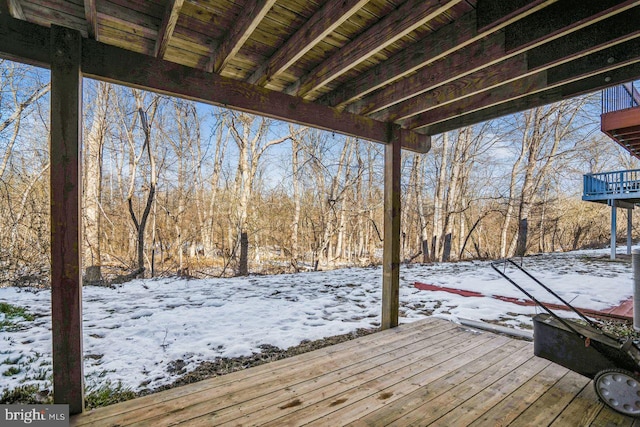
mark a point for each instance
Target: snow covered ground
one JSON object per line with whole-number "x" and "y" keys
{"x": 133, "y": 332}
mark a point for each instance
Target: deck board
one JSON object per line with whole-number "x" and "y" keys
{"x": 430, "y": 372}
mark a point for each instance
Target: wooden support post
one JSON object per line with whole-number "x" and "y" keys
{"x": 614, "y": 224}
{"x": 66, "y": 190}
{"x": 629, "y": 229}
{"x": 391, "y": 256}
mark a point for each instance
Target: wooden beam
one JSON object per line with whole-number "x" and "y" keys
{"x": 597, "y": 63}
{"x": 391, "y": 255}
{"x": 168, "y": 24}
{"x": 553, "y": 21}
{"x": 66, "y": 240}
{"x": 330, "y": 15}
{"x": 406, "y": 18}
{"x": 129, "y": 68}
{"x": 495, "y": 13}
{"x": 629, "y": 132}
{"x": 460, "y": 63}
{"x": 23, "y": 42}
{"x": 490, "y": 51}
{"x": 456, "y": 35}
{"x": 15, "y": 9}
{"x": 627, "y": 118}
{"x": 91, "y": 15}
{"x": 254, "y": 12}
{"x": 515, "y": 104}
{"x": 419, "y": 92}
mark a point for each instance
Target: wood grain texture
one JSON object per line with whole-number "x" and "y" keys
{"x": 255, "y": 11}
{"x": 391, "y": 254}
{"x": 91, "y": 15}
{"x": 15, "y": 9}
{"x": 402, "y": 21}
{"x": 549, "y": 22}
{"x": 66, "y": 191}
{"x": 429, "y": 372}
{"x": 582, "y": 54}
{"x": 331, "y": 15}
{"x": 454, "y": 66}
{"x": 448, "y": 41}
{"x": 99, "y": 61}
{"x": 536, "y": 98}
{"x": 167, "y": 26}
{"x": 388, "y": 60}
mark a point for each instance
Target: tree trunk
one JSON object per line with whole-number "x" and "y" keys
{"x": 446, "y": 250}
{"x": 94, "y": 143}
{"x": 438, "y": 201}
{"x": 295, "y": 223}
{"x": 523, "y": 228}
{"x": 243, "y": 265}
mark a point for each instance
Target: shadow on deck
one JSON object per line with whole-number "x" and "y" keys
{"x": 430, "y": 372}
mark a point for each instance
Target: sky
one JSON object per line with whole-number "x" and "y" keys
{"x": 133, "y": 331}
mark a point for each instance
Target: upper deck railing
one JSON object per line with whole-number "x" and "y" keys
{"x": 620, "y": 97}
{"x": 612, "y": 185}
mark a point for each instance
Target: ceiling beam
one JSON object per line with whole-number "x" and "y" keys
{"x": 498, "y": 13}
{"x": 406, "y": 18}
{"x": 132, "y": 69}
{"x": 522, "y": 95}
{"x": 168, "y": 24}
{"x": 330, "y": 15}
{"x": 436, "y": 86}
{"x": 474, "y": 57}
{"x": 15, "y": 9}
{"x": 593, "y": 64}
{"x": 555, "y": 20}
{"x": 24, "y": 42}
{"x": 487, "y": 52}
{"x": 29, "y": 43}
{"x": 253, "y": 12}
{"x": 91, "y": 16}
{"x": 435, "y": 46}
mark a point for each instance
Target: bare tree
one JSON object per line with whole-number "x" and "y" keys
{"x": 249, "y": 133}
{"x": 297, "y": 137}
{"x": 142, "y": 119}
{"x": 542, "y": 134}
{"x": 92, "y": 212}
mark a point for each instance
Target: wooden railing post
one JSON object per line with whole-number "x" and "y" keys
{"x": 66, "y": 242}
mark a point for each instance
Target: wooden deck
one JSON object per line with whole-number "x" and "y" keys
{"x": 431, "y": 372}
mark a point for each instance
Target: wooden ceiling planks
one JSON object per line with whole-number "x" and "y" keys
{"x": 237, "y": 35}
{"x": 424, "y": 65}
{"x": 554, "y": 28}
{"x": 331, "y": 15}
{"x": 399, "y": 23}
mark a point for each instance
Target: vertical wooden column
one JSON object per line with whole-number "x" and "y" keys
{"x": 66, "y": 241}
{"x": 391, "y": 256}
{"x": 629, "y": 229}
{"x": 614, "y": 224}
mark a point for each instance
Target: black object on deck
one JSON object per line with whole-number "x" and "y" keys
{"x": 613, "y": 362}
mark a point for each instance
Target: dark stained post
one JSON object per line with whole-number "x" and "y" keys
{"x": 391, "y": 256}
{"x": 66, "y": 190}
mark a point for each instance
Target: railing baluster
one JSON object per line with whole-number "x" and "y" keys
{"x": 611, "y": 183}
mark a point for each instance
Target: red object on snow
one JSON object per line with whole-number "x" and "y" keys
{"x": 621, "y": 311}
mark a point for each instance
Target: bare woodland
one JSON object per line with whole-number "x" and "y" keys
{"x": 174, "y": 187}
